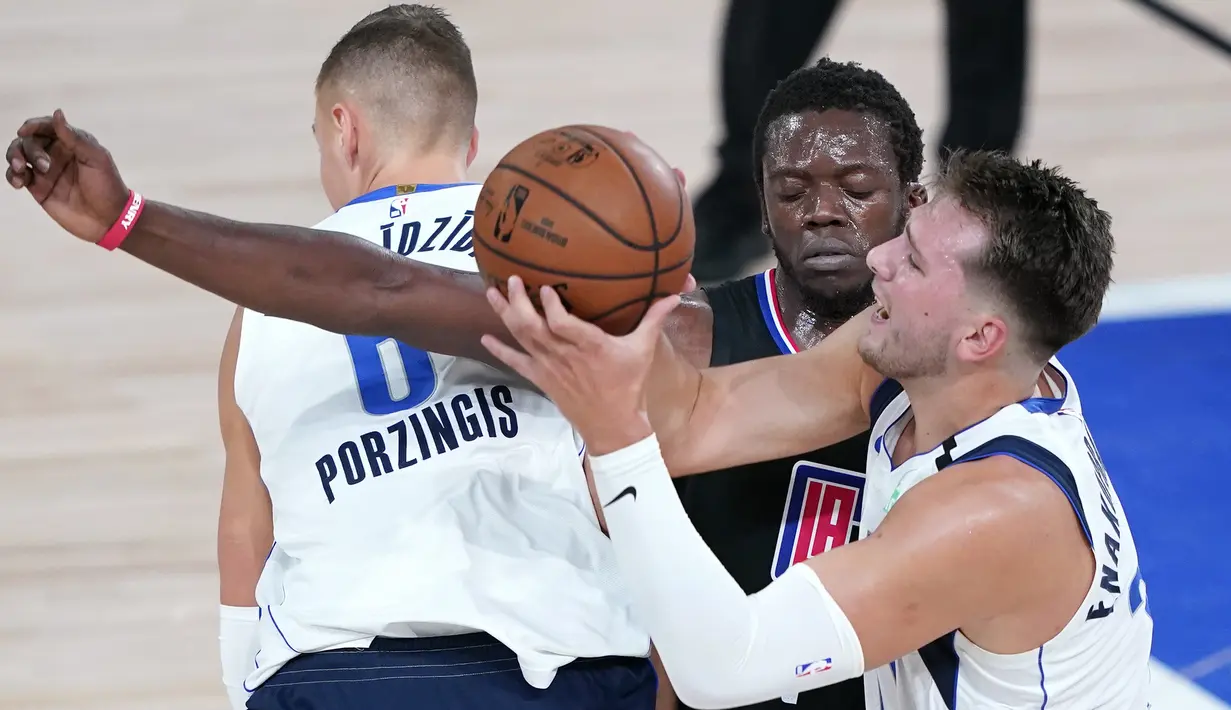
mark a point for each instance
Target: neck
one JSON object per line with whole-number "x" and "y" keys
{"x": 804, "y": 320}
{"x": 942, "y": 407}
{"x": 409, "y": 169}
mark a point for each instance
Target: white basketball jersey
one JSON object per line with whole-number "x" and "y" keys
{"x": 1101, "y": 657}
{"x": 416, "y": 494}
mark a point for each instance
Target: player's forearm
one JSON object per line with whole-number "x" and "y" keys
{"x": 720, "y": 647}
{"x": 672, "y": 395}
{"x": 772, "y": 408}
{"x": 331, "y": 280}
{"x": 239, "y": 567}
{"x": 245, "y": 536}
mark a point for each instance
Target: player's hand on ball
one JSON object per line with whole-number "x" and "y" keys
{"x": 598, "y": 380}
{"x": 69, "y": 174}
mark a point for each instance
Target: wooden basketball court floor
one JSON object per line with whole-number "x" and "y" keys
{"x": 110, "y": 463}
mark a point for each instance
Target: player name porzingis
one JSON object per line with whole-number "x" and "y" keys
{"x": 434, "y": 430}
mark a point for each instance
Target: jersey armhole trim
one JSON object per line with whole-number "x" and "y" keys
{"x": 1040, "y": 459}
{"x": 882, "y": 397}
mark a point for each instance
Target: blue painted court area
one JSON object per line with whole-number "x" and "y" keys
{"x": 1157, "y": 396}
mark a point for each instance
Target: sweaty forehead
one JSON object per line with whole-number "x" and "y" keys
{"x": 831, "y": 140}
{"x": 942, "y": 227}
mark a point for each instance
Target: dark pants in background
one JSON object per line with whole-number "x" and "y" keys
{"x": 764, "y": 40}
{"x": 470, "y": 672}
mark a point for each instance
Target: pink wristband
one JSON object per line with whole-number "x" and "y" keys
{"x": 128, "y": 217}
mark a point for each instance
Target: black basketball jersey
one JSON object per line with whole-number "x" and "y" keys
{"x": 761, "y": 518}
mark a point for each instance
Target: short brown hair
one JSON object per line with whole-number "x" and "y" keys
{"x": 409, "y": 64}
{"x": 1049, "y": 250}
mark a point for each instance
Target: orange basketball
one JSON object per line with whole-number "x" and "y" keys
{"x": 594, "y": 213}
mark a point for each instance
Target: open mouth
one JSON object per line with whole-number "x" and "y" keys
{"x": 881, "y": 312}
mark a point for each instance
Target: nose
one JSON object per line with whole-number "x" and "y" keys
{"x": 827, "y": 208}
{"x": 878, "y": 261}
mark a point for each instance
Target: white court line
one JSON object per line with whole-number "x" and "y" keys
{"x": 1195, "y": 295}
{"x": 1171, "y": 691}
{"x": 1160, "y": 299}
{"x": 1214, "y": 662}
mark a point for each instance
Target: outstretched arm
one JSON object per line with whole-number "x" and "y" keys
{"x": 708, "y": 419}
{"x": 334, "y": 281}
{"x": 958, "y": 549}
{"x": 331, "y": 280}
{"x": 617, "y": 390}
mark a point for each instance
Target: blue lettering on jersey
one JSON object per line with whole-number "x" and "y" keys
{"x": 404, "y": 237}
{"x": 1109, "y": 574}
{"x": 389, "y": 384}
{"x": 435, "y": 430}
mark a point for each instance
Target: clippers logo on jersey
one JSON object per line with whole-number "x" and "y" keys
{"x": 822, "y": 512}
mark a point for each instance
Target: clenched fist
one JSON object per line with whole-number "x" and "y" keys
{"x": 69, "y": 174}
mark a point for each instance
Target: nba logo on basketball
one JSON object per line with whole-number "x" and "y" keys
{"x": 821, "y": 513}
{"x": 507, "y": 219}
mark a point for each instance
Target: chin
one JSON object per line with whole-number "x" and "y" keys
{"x": 828, "y": 284}
{"x": 869, "y": 350}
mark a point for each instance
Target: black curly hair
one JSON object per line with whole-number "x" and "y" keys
{"x": 845, "y": 86}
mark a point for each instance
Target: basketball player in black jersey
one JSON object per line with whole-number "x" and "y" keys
{"x": 837, "y": 156}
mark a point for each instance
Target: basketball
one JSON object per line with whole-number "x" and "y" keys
{"x": 592, "y": 212}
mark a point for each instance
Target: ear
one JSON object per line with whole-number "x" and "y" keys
{"x": 987, "y": 340}
{"x": 474, "y": 146}
{"x": 348, "y": 132}
{"x": 916, "y": 195}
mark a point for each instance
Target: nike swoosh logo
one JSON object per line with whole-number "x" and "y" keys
{"x": 626, "y": 492}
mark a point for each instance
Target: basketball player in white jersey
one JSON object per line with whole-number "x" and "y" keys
{"x": 995, "y": 569}
{"x": 436, "y": 541}
{"x": 972, "y": 542}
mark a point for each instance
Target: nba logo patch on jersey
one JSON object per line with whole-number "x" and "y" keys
{"x": 397, "y": 208}
{"x": 813, "y": 667}
{"x": 822, "y": 512}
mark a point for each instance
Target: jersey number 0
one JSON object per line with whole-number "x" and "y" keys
{"x": 392, "y": 376}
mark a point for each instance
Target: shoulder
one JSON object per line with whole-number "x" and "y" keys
{"x": 999, "y": 503}
{"x": 691, "y": 328}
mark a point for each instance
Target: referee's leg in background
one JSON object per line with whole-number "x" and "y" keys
{"x": 764, "y": 40}
{"x": 986, "y": 57}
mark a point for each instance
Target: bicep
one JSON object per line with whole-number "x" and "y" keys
{"x": 957, "y": 548}
{"x": 245, "y": 517}
{"x": 775, "y": 407}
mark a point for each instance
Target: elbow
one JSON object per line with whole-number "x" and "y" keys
{"x": 710, "y": 677}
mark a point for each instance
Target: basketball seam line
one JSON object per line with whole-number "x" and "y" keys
{"x": 573, "y": 274}
{"x": 649, "y": 212}
{"x": 580, "y": 207}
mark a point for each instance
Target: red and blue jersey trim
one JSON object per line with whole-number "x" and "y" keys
{"x": 771, "y": 310}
